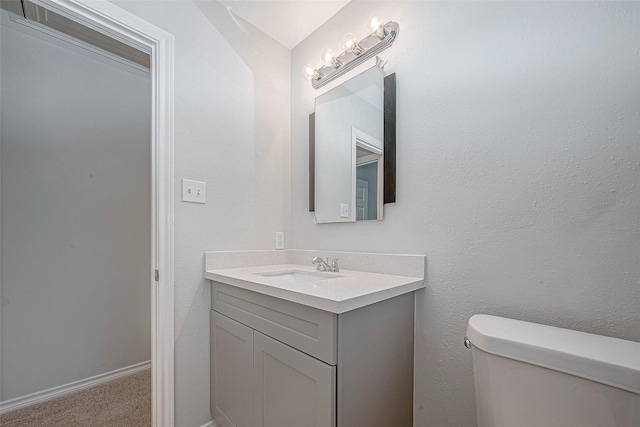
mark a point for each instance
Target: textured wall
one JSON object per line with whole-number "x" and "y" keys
{"x": 232, "y": 131}
{"x": 75, "y": 214}
{"x": 518, "y": 172}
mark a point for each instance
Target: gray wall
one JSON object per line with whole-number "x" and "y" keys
{"x": 518, "y": 172}
{"x": 232, "y": 131}
{"x": 75, "y": 215}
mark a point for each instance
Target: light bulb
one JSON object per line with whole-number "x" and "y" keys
{"x": 327, "y": 58}
{"x": 350, "y": 44}
{"x": 349, "y": 41}
{"x": 375, "y": 25}
{"x": 309, "y": 72}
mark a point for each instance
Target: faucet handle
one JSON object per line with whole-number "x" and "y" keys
{"x": 321, "y": 265}
{"x": 334, "y": 265}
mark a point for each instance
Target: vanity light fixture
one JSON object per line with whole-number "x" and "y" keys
{"x": 354, "y": 52}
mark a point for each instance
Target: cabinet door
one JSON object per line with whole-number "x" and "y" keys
{"x": 291, "y": 389}
{"x": 231, "y": 372}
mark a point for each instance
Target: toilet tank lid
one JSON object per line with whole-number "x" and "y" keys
{"x": 607, "y": 360}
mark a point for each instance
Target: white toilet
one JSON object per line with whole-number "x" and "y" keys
{"x": 530, "y": 375}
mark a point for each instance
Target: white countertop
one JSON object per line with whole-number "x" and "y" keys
{"x": 354, "y": 289}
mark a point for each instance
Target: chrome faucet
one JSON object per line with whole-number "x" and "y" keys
{"x": 323, "y": 265}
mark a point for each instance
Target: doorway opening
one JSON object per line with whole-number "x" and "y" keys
{"x": 106, "y": 23}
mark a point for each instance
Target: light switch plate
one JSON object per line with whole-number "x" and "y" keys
{"x": 344, "y": 210}
{"x": 194, "y": 191}
{"x": 279, "y": 239}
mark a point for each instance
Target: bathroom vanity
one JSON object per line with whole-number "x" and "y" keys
{"x": 293, "y": 347}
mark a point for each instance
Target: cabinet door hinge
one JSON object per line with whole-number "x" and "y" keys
{"x": 157, "y": 276}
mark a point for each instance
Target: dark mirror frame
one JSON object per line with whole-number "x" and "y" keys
{"x": 389, "y": 145}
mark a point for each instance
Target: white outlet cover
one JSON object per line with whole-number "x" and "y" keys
{"x": 194, "y": 191}
{"x": 279, "y": 239}
{"x": 344, "y": 210}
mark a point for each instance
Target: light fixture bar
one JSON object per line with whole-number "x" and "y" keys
{"x": 365, "y": 49}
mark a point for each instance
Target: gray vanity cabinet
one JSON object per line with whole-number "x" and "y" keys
{"x": 276, "y": 363}
{"x": 259, "y": 381}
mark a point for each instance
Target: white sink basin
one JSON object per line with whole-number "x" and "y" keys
{"x": 298, "y": 276}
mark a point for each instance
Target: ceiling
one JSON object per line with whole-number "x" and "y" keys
{"x": 288, "y": 22}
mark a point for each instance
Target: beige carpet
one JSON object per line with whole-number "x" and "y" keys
{"x": 125, "y": 402}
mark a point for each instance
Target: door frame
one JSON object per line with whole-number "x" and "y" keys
{"x": 115, "y": 22}
{"x": 374, "y": 145}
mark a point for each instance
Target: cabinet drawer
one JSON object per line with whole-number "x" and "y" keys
{"x": 308, "y": 329}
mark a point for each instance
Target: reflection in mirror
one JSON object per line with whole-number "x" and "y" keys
{"x": 369, "y": 176}
{"x": 349, "y": 150}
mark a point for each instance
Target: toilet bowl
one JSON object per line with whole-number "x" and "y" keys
{"x": 531, "y": 375}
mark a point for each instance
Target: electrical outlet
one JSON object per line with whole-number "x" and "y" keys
{"x": 279, "y": 239}
{"x": 344, "y": 210}
{"x": 194, "y": 191}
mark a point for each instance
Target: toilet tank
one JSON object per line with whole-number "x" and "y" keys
{"x": 531, "y": 375}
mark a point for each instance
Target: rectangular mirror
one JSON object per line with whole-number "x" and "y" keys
{"x": 349, "y": 133}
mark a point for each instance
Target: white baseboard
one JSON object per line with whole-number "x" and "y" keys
{"x": 52, "y": 393}
{"x": 211, "y": 423}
